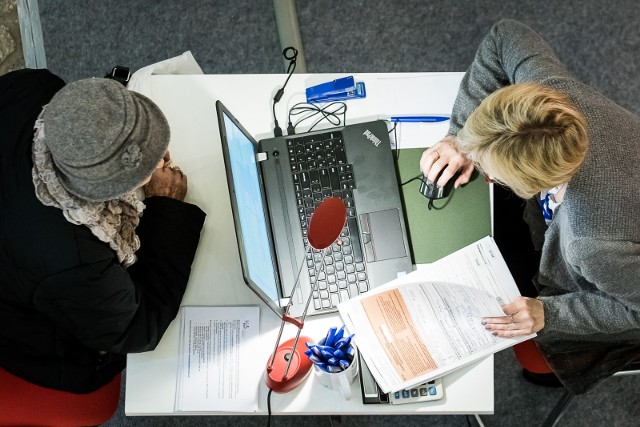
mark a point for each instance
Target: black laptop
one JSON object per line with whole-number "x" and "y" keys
{"x": 275, "y": 185}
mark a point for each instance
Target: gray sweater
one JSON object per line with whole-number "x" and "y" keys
{"x": 589, "y": 278}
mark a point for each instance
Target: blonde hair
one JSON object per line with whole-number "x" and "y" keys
{"x": 532, "y": 136}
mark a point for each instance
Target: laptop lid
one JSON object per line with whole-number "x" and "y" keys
{"x": 249, "y": 207}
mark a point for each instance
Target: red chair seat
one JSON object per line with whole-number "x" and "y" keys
{"x": 531, "y": 358}
{"x": 25, "y": 404}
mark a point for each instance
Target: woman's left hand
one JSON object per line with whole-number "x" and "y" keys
{"x": 524, "y": 316}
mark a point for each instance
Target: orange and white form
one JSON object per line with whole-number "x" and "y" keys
{"x": 428, "y": 323}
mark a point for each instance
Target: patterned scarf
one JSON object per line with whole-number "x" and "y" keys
{"x": 113, "y": 222}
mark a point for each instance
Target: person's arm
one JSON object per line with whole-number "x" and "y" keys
{"x": 511, "y": 53}
{"x": 612, "y": 306}
{"x": 613, "y": 268}
{"x": 124, "y": 311}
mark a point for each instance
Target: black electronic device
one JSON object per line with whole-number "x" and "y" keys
{"x": 431, "y": 191}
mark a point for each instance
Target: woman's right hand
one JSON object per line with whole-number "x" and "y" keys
{"x": 445, "y": 155}
{"x": 167, "y": 181}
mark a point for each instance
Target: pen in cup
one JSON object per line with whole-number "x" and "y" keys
{"x": 334, "y": 353}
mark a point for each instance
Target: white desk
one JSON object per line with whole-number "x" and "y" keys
{"x": 216, "y": 278}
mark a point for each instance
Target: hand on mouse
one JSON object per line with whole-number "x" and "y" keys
{"x": 444, "y": 156}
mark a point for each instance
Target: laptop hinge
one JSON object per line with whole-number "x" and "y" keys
{"x": 284, "y": 302}
{"x": 261, "y": 157}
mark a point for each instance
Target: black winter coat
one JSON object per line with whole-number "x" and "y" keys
{"x": 69, "y": 312}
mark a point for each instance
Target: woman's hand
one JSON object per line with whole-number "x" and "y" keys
{"x": 445, "y": 155}
{"x": 524, "y": 316}
{"x": 167, "y": 180}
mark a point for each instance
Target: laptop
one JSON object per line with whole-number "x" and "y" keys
{"x": 276, "y": 183}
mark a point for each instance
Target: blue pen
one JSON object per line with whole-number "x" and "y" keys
{"x": 326, "y": 354}
{"x": 330, "y": 336}
{"x": 344, "y": 342}
{"x": 316, "y": 359}
{"x": 419, "y": 119}
{"x": 315, "y": 350}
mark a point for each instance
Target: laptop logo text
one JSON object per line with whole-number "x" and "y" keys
{"x": 371, "y": 137}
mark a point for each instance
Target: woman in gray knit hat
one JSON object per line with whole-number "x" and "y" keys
{"x": 88, "y": 271}
{"x": 522, "y": 119}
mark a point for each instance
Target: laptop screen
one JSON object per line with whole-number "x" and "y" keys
{"x": 250, "y": 210}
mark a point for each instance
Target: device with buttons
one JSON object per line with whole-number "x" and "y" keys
{"x": 431, "y": 390}
{"x": 371, "y": 393}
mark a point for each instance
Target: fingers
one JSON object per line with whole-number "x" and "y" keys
{"x": 440, "y": 163}
{"x": 509, "y": 326}
{"x": 428, "y": 159}
{"x": 524, "y": 316}
{"x": 465, "y": 175}
{"x": 168, "y": 181}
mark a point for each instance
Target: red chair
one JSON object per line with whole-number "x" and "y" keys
{"x": 530, "y": 357}
{"x": 25, "y": 404}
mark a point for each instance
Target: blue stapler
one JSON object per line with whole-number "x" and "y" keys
{"x": 336, "y": 90}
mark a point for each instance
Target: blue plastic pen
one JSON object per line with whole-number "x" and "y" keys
{"x": 419, "y": 119}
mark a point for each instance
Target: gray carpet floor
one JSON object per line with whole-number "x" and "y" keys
{"x": 599, "y": 42}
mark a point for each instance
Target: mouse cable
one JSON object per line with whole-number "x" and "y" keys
{"x": 419, "y": 176}
{"x": 430, "y": 205}
{"x": 291, "y": 54}
{"x": 329, "y": 112}
{"x": 395, "y": 139}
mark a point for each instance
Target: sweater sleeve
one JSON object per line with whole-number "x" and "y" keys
{"x": 612, "y": 268}
{"x": 510, "y": 53}
{"x": 125, "y": 311}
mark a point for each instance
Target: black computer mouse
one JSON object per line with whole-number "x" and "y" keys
{"x": 431, "y": 191}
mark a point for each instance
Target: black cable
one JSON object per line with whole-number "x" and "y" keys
{"x": 291, "y": 54}
{"x": 419, "y": 176}
{"x": 395, "y": 138}
{"x": 269, "y": 407}
{"x": 330, "y": 112}
{"x": 437, "y": 208}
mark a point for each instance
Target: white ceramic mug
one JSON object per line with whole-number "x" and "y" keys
{"x": 339, "y": 380}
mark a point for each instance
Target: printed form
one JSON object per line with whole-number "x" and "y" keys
{"x": 428, "y": 323}
{"x": 217, "y": 371}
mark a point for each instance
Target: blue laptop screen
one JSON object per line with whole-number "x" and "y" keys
{"x": 246, "y": 183}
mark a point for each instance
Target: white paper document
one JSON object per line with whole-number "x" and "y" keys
{"x": 217, "y": 369}
{"x": 428, "y": 323}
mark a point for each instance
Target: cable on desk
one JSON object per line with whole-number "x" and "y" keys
{"x": 329, "y": 112}
{"x": 269, "y": 407}
{"x": 290, "y": 53}
{"x": 419, "y": 176}
{"x": 395, "y": 139}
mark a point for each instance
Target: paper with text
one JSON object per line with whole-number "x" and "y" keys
{"x": 428, "y": 323}
{"x": 217, "y": 369}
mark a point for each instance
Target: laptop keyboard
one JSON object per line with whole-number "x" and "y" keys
{"x": 320, "y": 169}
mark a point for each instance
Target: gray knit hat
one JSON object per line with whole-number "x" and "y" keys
{"x": 104, "y": 140}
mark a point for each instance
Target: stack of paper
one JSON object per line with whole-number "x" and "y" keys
{"x": 428, "y": 323}
{"x": 217, "y": 368}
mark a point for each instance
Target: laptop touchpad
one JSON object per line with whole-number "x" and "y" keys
{"x": 382, "y": 235}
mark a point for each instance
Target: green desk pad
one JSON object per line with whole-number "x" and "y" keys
{"x": 452, "y": 223}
